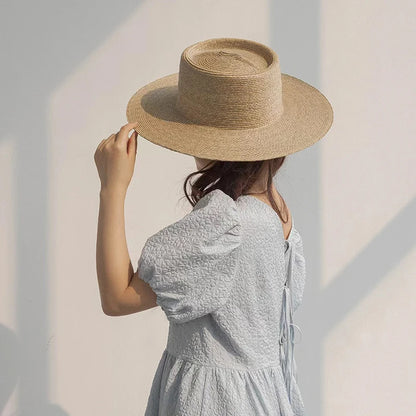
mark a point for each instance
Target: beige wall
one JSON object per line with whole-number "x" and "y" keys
{"x": 352, "y": 196}
{"x": 368, "y": 189}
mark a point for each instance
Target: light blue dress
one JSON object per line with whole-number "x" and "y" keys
{"x": 228, "y": 282}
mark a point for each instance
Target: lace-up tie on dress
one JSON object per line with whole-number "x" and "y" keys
{"x": 287, "y": 326}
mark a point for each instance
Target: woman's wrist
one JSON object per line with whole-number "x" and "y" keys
{"x": 112, "y": 192}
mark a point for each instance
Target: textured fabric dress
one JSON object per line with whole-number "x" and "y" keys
{"x": 228, "y": 282}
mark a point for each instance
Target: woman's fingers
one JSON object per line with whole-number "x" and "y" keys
{"x": 104, "y": 141}
{"x": 132, "y": 143}
{"x": 122, "y": 136}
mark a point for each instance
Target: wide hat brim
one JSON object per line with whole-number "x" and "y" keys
{"x": 306, "y": 118}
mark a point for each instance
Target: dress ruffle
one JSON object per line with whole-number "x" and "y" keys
{"x": 190, "y": 389}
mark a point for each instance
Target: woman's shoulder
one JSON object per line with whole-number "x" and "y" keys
{"x": 217, "y": 205}
{"x": 216, "y": 198}
{"x": 216, "y": 213}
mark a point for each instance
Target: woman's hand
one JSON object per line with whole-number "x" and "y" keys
{"x": 115, "y": 158}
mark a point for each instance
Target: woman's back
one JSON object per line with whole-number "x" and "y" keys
{"x": 219, "y": 274}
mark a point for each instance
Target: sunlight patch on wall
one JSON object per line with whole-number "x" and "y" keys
{"x": 365, "y": 372}
{"x": 368, "y": 158}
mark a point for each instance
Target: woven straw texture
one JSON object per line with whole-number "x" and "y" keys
{"x": 230, "y": 101}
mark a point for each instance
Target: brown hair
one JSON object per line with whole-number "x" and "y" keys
{"x": 234, "y": 179}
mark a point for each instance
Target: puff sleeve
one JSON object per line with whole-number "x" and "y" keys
{"x": 191, "y": 264}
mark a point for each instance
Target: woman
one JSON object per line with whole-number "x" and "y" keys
{"x": 229, "y": 274}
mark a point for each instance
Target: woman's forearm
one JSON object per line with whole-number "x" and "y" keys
{"x": 114, "y": 268}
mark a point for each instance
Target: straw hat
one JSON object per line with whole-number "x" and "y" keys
{"x": 230, "y": 101}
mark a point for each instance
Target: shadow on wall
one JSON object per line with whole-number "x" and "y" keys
{"x": 298, "y": 47}
{"x": 43, "y": 43}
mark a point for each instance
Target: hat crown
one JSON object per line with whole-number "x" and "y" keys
{"x": 229, "y": 83}
{"x": 228, "y": 63}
